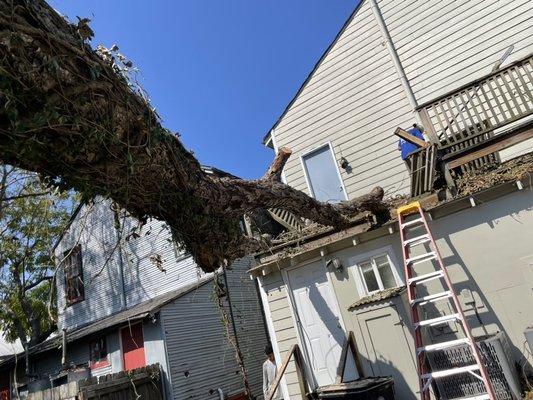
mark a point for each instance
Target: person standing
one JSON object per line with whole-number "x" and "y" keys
{"x": 269, "y": 374}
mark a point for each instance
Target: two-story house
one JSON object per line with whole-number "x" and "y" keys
{"x": 128, "y": 297}
{"x": 464, "y": 71}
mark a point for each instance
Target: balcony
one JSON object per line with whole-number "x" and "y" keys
{"x": 471, "y": 125}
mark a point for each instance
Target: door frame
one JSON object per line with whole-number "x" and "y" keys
{"x": 296, "y": 321}
{"x": 120, "y": 329}
{"x": 304, "y": 168}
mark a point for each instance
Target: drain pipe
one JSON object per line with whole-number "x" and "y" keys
{"x": 64, "y": 348}
{"x": 394, "y": 55}
{"x": 220, "y": 394}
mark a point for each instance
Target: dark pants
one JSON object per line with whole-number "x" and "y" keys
{"x": 408, "y": 163}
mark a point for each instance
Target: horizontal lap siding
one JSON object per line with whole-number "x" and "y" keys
{"x": 249, "y": 321}
{"x": 353, "y": 99}
{"x": 143, "y": 279}
{"x": 443, "y": 45}
{"x": 93, "y": 229}
{"x": 283, "y": 322}
{"x": 200, "y": 358}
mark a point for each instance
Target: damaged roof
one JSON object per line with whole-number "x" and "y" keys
{"x": 134, "y": 313}
{"x": 484, "y": 184}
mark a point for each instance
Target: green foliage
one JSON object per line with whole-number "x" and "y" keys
{"x": 32, "y": 217}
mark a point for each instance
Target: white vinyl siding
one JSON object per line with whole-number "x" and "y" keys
{"x": 93, "y": 228}
{"x": 353, "y": 99}
{"x": 443, "y": 45}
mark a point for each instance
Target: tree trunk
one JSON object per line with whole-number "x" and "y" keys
{"x": 73, "y": 116}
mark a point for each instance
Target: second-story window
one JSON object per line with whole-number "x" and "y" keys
{"x": 75, "y": 290}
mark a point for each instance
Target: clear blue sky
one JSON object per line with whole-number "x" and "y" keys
{"x": 220, "y": 72}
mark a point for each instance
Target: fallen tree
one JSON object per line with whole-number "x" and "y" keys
{"x": 71, "y": 114}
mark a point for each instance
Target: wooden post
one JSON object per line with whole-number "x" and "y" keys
{"x": 300, "y": 370}
{"x": 352, "y": 345}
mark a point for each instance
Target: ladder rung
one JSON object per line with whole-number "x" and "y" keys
{"x": 449, "y": 372}
{"x": 417, "y": 240}
{"x": 431, "y": 298}
{"x": 421, "y": 258}
{"x": 443, "y": 345}
{"x": 438, "y": 321}
{"x": 484, "y": 396}
{"x": 411, "y": 223}
{"x": 425, "y": 278}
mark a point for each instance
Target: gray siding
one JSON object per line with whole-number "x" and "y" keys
{"x": 200, "y": 358}
{"x": 49, "y": 363}
{"x": 249, "y": 321}
{"x": 103, "y": 261}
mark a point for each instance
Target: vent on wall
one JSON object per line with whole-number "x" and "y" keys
{"x": 501, "y": 369}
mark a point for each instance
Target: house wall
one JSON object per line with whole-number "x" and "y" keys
{"x": 145, "y": 265}
{"x": 199, "y": 356}
{"x": 354, "y": 98}
{"x": 249, "y": 320}
{"x": 281, "y": 318}
{"x": 489, "y": 254}
{"x": 444, "y": 45}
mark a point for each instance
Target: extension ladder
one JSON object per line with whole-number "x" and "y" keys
{"x": 414, "y": 231}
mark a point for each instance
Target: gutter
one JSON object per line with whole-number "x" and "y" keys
{"x": 340, "y": 240}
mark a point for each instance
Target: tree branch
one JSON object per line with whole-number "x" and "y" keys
{"x": 37, "y": 282}
{"x": 107, "y": 140}
{"x": 22, "y": 196}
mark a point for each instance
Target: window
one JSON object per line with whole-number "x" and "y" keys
{"x": 98, "y": 352}
{"x": 74, "y": 276}
{"x": 322, "y": 175}
{"x": 375, "y": 272}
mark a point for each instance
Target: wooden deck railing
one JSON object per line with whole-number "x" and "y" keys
{"x": 477, "y": 109}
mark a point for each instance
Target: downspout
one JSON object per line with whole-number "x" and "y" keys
{"x": 64, "y": 348}
{"x": 394, "y": 55}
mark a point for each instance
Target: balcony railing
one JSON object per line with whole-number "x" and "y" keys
{"x": 470, "y": 125}
{"x": 473, "y": 112}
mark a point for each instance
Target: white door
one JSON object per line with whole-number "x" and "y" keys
{"x": 320, "y": 325}
{"x": 323, "y": 175}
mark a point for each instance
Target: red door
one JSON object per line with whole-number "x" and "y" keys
{"x": 133, "y": 346}
{"x": 4, "y": 385}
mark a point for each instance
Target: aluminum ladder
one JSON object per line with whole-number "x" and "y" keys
{"x": 414, "y": 231}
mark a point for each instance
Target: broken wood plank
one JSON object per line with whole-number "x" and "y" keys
{"x": 352, "y": 345}
{"x": 498, "y": 146}
{"x": 410, "y": 138}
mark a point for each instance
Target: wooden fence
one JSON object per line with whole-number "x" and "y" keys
{"x": 142, "y": 383}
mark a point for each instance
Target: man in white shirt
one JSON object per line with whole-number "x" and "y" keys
{"x": 269, "y": 374}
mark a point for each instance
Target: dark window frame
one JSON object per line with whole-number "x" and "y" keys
{"x": 98, "y": 354}
{"x": 73, "y": 271}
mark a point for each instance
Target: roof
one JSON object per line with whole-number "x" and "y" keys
{"x": 136, "y": 312}
{"x": 476, "y": 187}
{"x": 379, "y": 296}
{"x": 266, "y": 138}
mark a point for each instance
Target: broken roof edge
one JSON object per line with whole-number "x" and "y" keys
{"x": 102, "y": 325}
{"x": 331, "y": 239}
